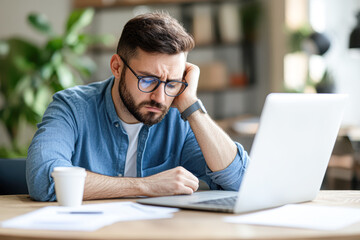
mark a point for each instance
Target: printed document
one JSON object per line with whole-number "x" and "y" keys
{"x": 86, "y": 217}
{"x": 301, "y": 216}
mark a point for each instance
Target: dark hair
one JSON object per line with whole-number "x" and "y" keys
{"x": 154, "y": 33}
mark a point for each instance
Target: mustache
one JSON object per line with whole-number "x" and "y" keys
{"x": 152, "y": 103}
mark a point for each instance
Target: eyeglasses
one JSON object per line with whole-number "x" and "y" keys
{"x": 149, "y": 84}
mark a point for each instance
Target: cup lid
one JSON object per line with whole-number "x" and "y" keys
{"x": 59, "y": 171}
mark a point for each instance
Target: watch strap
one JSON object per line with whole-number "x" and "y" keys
{"x": 190, "y": 110}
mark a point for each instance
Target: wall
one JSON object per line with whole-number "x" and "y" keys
{"x": 13, "y": 15}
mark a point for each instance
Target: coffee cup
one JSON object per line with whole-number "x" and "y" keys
{"x": 69, "y": 185}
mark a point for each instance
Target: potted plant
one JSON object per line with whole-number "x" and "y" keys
{"x": 30, "y": 73}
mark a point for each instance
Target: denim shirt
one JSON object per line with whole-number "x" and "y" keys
{"x": 81, "y": 128}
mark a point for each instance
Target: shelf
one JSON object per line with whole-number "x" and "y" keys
{"x": 226, "y": 89}
{"x": 217, "y": 45}
{"x": 127, "y": 3}
{"x": 226, "y": 59}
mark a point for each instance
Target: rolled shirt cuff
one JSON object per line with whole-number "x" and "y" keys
{"x": 230, "y": 178}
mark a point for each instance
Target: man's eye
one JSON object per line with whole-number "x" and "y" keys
{"x": 171, "y": 85}
{"x": 148, "y": 81}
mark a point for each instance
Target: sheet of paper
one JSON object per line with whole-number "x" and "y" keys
{"x": 86, "y": 217}
{"x": 301, "y": 216}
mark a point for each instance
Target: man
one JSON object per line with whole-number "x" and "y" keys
{"x": 128, "y": 131}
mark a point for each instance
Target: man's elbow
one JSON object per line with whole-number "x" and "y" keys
{"x": 40, "y": 191}
{"x": 42, "y": 196}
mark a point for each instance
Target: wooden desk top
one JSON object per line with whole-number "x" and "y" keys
{"x": 185, "y": 224}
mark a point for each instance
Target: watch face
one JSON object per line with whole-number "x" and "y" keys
{"x": 202, "y": 107}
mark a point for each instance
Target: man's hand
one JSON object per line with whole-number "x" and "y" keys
{"x": 171, "y": 182}
{"x": 188, "y": 97}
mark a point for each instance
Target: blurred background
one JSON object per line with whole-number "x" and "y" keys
{"x": 245, "y": 49}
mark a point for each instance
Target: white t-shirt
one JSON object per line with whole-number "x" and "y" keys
{"x": 132, "y": 131}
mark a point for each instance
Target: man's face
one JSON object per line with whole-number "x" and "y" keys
{"x": 150, "y": 108}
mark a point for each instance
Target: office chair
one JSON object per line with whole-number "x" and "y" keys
{"x": 12, "y": 177}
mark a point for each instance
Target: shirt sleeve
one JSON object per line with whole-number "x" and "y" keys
{"x": 230, "y": 178}
{"x": 227, "y": 179}
{"x": 52, "y": 146}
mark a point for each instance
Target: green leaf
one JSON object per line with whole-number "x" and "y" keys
{"x": 13, "y": 152}
{"x": 4, "y": 48}
{"x": 23, "y": 64}
{"x": 65, "y": 76}
{"x": 23, "y": 57}
{"x": 40, "y": 22}
{"x": 79, "y": 48}
{"x": 72, "y": 39}
{"x": 23, "y": 84}
{"x": 46, "y": 71}
{"x": 56, "y": 59}
{"x": 55, "y": 44}
{"x": 42, "y": 99}
{"x": 79, "y": 19}
{"x": 29, "y": 97}
{"x": 23, "y": 48}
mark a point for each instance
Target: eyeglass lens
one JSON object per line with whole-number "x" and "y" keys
{"x": 149, "y": 84}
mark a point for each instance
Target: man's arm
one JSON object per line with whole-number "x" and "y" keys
{"x": 55, "y": 144}
{"x": 170, "y": 182}
{"x": 217, "y": 147}
{"x": 52, "y": 146}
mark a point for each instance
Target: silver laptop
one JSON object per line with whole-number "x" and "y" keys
{"x": 288, "y": 159}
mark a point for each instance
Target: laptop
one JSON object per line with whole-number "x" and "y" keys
{"x": 288, "y": 158}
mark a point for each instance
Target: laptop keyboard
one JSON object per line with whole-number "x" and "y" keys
{"x": 228, "y": 202}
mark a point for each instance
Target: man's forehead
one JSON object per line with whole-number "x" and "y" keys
{"x": 142, "y": 55}
{"x": 173, "y": 64}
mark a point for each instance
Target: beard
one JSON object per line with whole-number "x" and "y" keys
{"x": 149, "y": 118}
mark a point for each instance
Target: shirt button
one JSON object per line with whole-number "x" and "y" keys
{"x": 116, "y": 125}
{"x": 119, "y": 175}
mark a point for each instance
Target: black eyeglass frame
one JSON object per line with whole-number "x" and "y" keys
{"x": 184, "y": 83}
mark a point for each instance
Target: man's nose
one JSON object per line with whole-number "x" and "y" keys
{"x": 159, "y": 94}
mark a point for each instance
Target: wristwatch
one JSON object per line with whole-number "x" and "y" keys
{"x": 194, "y": 107}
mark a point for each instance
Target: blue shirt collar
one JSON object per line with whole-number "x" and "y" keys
{"x": 110, "y": 105}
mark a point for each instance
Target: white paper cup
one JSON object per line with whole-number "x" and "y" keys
{"x": 69, "y": 185}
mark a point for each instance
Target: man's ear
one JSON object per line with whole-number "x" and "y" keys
{"x": 116, "y": 65}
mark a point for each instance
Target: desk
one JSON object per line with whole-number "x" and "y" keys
{"x": 186, "y": 224}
